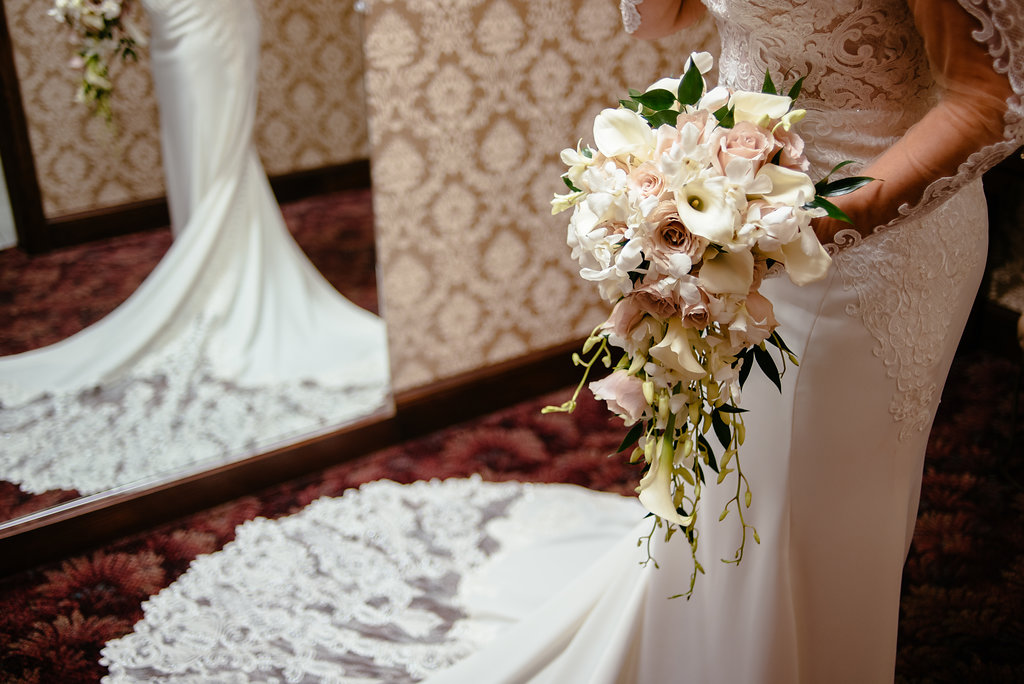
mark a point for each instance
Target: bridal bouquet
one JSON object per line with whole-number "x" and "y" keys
{"x": 102, "y": 30}
{"x": 690, "y": 198}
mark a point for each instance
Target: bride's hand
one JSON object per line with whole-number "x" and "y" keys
{"x": 826, "y": 228}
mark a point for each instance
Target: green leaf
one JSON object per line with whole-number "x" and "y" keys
{"x": 691, "y": 86}
{"x": 721, "y": 429}
{"x": 744, "y": 368}
{"x": 794, "y": 92}
{"x": 657, "y": 99}
{"x": 768, "y": 86}
{"x": 726, "y": 116}
{"x": 632, "y": 436}
{"x": 842, "y": 186}
{"x": 630, "y": 104}
{"x": 777, "y": 340}
{"x": 658, "y": 119}
{"x": 570, "y": 185}
{"x": 729, "y": 408}
{"x": 833, "y": 211}
{"x": 767, "y": 364}
{"x": 634, "y": 93}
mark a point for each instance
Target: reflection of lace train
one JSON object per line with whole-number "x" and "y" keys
{"x": 234, "y": 341}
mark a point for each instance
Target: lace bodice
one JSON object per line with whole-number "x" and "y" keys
{"x": 867, "y": 78}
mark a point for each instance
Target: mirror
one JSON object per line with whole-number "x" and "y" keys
{"x": 233, "y": 344}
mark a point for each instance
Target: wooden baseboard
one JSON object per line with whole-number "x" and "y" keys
{"x": 94, "y": 521}
{"x": 75, "y": 229}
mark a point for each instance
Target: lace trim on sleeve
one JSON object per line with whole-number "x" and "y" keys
{"x": 630, "y": 15}
{"x": 1002, "y": 32}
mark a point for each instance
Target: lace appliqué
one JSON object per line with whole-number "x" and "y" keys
{"x": 357, "y": 589}
{"x": 907, "y": 281}
{"x": 630, "y": 15}
{"x": 171, "y": 413}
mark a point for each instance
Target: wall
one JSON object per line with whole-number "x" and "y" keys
{"x": 311, "y": 105}
{"x": 470, "y": 103}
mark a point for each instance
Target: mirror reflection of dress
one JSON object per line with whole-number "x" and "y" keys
{"x": 234, "y": 340}
{"x": 543, "y": 583}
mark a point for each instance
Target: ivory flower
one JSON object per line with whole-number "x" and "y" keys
{"x": 705, "y": 210}
{"x": 675, "y": 352}
{"x": 759, "y": 108}
{"x": 623, "y": 132}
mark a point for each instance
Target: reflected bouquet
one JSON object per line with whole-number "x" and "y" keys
{"x": 690, "y": 198}
{"x": 102, "y": 31}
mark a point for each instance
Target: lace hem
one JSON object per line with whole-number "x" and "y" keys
{"x": 366, "y": 587}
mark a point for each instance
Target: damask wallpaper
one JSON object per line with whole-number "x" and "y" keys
{"x": 470, "y": 103}
{"x": 311, "y": 112}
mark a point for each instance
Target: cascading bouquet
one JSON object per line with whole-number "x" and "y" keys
{"x": 690, "y": 198}
{"x": 102, "y": 30}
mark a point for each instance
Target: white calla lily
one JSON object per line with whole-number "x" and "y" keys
{"x": 714, "y": 99}
{"x": 759, "y": 108}
{"x": 623, "y": 132}
{"x": 705, "y": 211}
{"x": 728, "y": 272}
{"x": 675, "y": 352}
{"x": 656, "y": 487}
{"x": 806, "y": 260}
{"x": 788, "y": 187}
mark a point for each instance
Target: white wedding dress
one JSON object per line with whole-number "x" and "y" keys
{"x": 462, "y": 582}
{"x": 234, "y": 342}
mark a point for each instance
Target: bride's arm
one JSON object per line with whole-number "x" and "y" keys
{"x": 659, "y": 18}
{"x": 970, "y": 116}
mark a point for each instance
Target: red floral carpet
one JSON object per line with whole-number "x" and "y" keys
{"x": 46, "y": 298}
{"x": 963, "y": 588}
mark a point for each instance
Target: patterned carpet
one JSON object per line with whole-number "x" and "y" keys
{"x": 46, "y": 298}
{"x": 963, "y": 589}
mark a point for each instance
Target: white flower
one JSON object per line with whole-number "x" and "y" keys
{"x": 714, "y": 99}
{"x": 614, "y": 265}
{"x": 675, "y": 352}
{"x": 706, "y": 210}
{"x": 788, "y": 187}
{"x": 704, "y": 61}
{"x": 805, "y": 259}
{"x": 727, "y": 272}
{"x": 759, "y": 108}
{"x": 622, "y": 133}
{"x": 656, "y": 486}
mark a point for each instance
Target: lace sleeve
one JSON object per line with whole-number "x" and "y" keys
{"x": 976, "y": 52}
{"x": 630, "y": 15}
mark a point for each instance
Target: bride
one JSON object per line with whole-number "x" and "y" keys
{"x": 234, "y": 341}
{"x": 549, "y": 585}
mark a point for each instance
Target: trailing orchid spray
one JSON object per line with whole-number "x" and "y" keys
{"x": 690, "y": 198}
{"x": 102, "y": 31}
